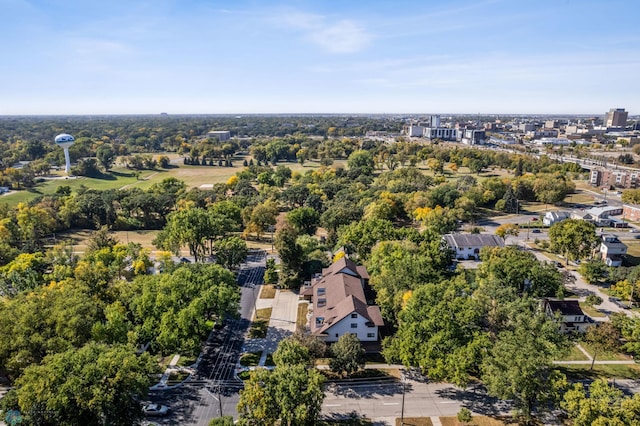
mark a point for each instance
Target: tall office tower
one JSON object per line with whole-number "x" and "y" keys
{"x": 616, "y": 117}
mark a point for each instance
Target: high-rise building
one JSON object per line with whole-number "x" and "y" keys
{"x": 616, "y": 117}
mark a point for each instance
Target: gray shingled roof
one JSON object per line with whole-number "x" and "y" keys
{"x": 473, "y": 240}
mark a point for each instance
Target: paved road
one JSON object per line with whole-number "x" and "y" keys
{"x": 421, "y": 399}
{"x": 214, "y": 386}
{"x": 579, "y": 286}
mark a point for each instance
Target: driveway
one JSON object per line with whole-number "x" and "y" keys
{"x": 282, "y": 323}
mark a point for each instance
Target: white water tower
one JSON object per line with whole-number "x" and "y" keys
{"x": 65, "y": 141}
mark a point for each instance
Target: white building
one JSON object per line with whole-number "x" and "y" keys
{"x": 572, "y": 318}
{"x": 472, "y": 136}
{"x": 221, "y": 135}
{"x": 553, "y": 217}
{"x": 415, "y": 131}
{"x": 443, "y": 133}
{"x": 612, "y": 250}
{"x": 467, "y": 246}
{"x": 553, "y": 141}
{"x": 599, "y": 216}
{"x": 339, "y": 304}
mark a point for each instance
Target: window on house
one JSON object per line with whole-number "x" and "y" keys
{"x": 371, "y": 335}
{"x": 354, "y": 325}
{"x": 354, "y": 315}
{"x": 319, "y": 320}
{"x": 321, "y": 291}
{"x": 336, "y": 334}
{"x": 322, "y": 302}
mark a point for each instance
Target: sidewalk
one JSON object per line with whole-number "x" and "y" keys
{"x": 162, "y": 384}
{"x": 284, "y": 314}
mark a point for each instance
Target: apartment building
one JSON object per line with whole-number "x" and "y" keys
{"x": 616, "y": 178}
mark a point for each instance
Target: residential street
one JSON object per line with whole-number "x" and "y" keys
{"x": 579, "y": 286}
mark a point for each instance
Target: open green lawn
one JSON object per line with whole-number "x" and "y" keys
{"x": 600, "y": 371}
{"x": 346, "y": 422}
{"x": 579, "y": 198}
{"x": 268, "y": 291}
{"x": 476, "y": 421}
{"x": 415, "y": 421}
{"x": 592, "y": 312}
{"x": 605, "y": 356}
{"x": 574, "y": 355}
{"x": 301, "y": 320}
{"x": 119, "y": 177}
{"x": 250, "y": 359}
{"x": 264, "y": 314}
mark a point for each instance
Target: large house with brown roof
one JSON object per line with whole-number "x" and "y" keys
{"x": 339, "y": 303}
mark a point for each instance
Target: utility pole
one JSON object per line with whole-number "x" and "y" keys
{"x": 403, "y": 392}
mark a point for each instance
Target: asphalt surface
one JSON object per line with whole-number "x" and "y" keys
{"x": 213, "y": 390}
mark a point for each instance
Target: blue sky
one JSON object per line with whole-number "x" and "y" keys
{"x": 342, "y": 56}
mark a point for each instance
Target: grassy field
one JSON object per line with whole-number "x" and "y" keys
{"x": 268, "y": 291}
{"x": 476, "y": 421}
{"x": 415, "y": 421}
{"x": 264, "y": 314}
{"x": 601, "y": 371}
{"x": 250, "y": 359}
{"x": 605, "y": 356}
{"x": 120, "y": 177}
{"x": 301, "y": 320}
{"x": 79, "y": 238}
{"x": 574, "y": 355}
{"x": 592, "y": 312}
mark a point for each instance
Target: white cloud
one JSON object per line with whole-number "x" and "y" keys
{"x": 342, "y": 36}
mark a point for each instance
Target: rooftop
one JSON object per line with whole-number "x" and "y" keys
{"x": 473, "y": 240}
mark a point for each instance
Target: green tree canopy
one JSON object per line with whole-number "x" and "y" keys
{"x": 304, "y": 219}
{"x": 361, "y": 161}
{"x": 521, "y": 270}
{"x": 348, "y": 355}
{"x": 398, "y": 267}
{"x": 603, "y": 405}
{"x": 106, "y": 156}
{"x": 93, "y": 385}
{"x": 573, "y": 238}
{"x": 291, "y": 352}
{"x": 230, "y": 252}
{"x": 48, "y": 320}
{"x": 290, "y": 395}
{"x": 172, "y": 310}
{"x": 440, "y": 332}
{"x": 518, "y": 366}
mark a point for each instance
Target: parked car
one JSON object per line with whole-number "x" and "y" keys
{"x": 155, "y": 410}
{"x": 618, "y": 302}
{"x": 634, "y": 230}
{"x": 535, "y": 231}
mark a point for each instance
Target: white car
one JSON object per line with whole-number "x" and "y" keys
{"x": 155, "y": 410}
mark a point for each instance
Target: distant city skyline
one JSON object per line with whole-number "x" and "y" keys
{"x": 247, "y": 57}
